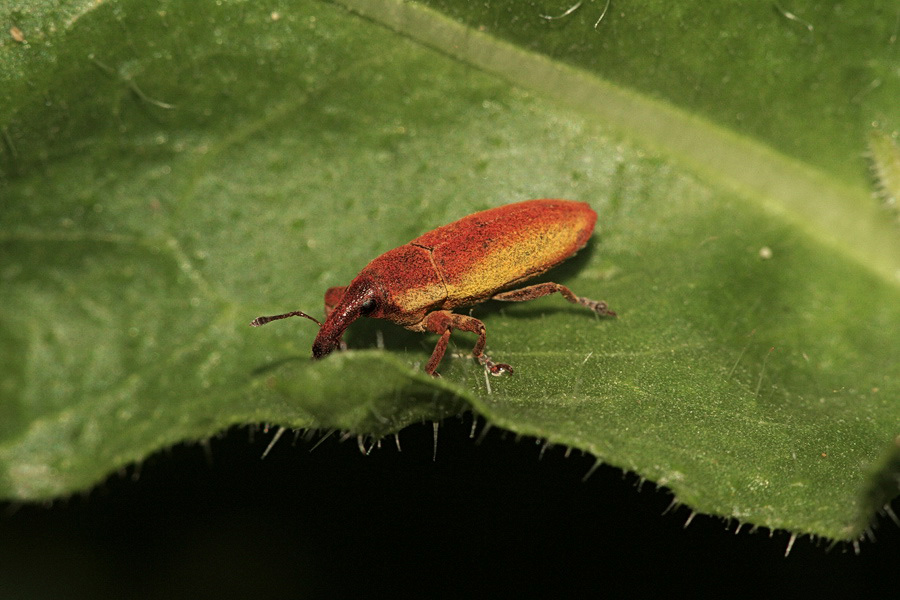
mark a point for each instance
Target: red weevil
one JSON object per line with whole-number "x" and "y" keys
{"x": 472, "y": 260}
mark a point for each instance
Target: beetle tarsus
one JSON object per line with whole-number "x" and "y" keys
{"x": 495, "y": 369}
{"x": 598, "y": 306}
{"x": 498, "y": 369}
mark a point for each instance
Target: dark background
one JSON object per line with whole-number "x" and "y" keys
{"x": 490, "y": 517}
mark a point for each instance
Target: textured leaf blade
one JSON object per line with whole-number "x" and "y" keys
{"x": 212, "y": 164}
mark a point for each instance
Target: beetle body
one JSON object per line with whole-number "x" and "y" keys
{"x": 417, "y": 285}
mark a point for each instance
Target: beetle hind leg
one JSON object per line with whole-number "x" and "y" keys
{"x": 443, "y": 323}
{"x": 544, "y": 289}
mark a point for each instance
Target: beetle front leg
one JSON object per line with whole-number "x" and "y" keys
{"x": 443, "y": 322}
{"x": 544, "y": 289}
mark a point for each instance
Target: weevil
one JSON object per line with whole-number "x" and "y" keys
{"x": 478, "y": 258}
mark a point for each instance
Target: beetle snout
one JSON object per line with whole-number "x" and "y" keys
{"x": 324, "y": 347}
{"x": 330, "y": 333}
{"x": 357, "y": 300}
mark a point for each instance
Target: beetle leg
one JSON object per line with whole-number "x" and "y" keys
{"x": 438, "y": 353}
{"x": 543, "y": 289}
{"x": 443, "y": 322}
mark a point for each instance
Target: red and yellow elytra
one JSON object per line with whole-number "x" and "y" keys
{"x": 466, "y": 262}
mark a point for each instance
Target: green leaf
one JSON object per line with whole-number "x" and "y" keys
{"x": 168, "y": 174}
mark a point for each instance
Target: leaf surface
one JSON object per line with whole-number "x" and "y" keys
{"x": 169, "y": 174}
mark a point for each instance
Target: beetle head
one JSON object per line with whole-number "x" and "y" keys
{"x": 361, "y": 299}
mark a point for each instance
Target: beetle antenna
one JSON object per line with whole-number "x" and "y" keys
{"x": 258, "y": 321}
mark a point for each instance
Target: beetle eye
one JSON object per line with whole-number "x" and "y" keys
{"x": 367, "y": 306}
